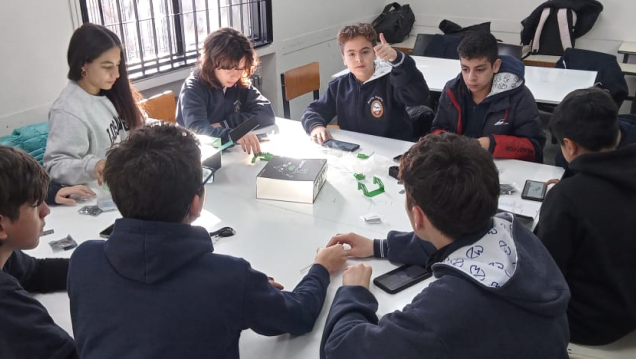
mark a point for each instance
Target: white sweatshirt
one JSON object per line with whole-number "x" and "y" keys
{"x": 82, "y": 127}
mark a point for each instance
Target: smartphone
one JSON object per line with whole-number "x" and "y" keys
{"x": 341, "y": 145}
{"x": 401, "y": 278}
{"x": 262, "y": 137}
{"x": 244, "y": 128}
{"x": 106, "y": 232}
{"x": 534, "y": 190}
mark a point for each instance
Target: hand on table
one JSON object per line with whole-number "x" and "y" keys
{"x": 359, "y": 274}
{"x": 320, "y": 134}
{"x": 332, "y": 258}
{"x": 62, "y": 196}
{"x": 250, "y": 144}
{"x": 361, "y": 247}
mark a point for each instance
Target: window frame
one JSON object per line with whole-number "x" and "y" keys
{"x": 181, "y": 57}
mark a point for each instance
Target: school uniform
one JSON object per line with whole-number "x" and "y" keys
{"x": 376, "y": 106}
{"x": 158, "y": 290}
{"x": 497, "y": 293}
{"x": 27, "y": 330}
{"x": 587, "y": 224}
{"x": 200, "y": 106}
{"x": 508, "y": 116}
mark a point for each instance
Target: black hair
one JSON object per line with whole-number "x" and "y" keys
{"x": 89, "y": 42}
{"x": 154, "y": 174}
{"x": 453, "y": 180}
{"x": 588, "y": 117}
{"x": 22, "y": 180}
{"x": 478, "y": 44}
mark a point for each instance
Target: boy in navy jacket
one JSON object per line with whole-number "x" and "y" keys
{"x": 490, "y": 102}
{"x": 497, "y": 290}
{"x": 26, "y": 329}
{"x": 219, "y": 95}
{"x": 587, "y": 220}
{"x": 155, "y": 288}
{"x": 371, "y": 98}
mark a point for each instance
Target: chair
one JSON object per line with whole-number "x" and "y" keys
{"x": 161, "y": 107}
{"x": 421, "y": 43}
{"x": 299, "y": 81}
{"x": 440, "y": 46}
{"x": 509, "y": 49}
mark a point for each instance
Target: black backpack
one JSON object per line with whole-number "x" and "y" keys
{"x": 395, "y": 22}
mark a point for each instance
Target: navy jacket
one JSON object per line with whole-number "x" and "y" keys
{"x": 587, "y": 223}
{"x": 200, "y": 106}
{"x": 157, "y": 290}
{"x": 26, "y": 328}
{"x": 498, "y": 293}
{"x": 376, "y": 107}
{"x": 512, "y": 119}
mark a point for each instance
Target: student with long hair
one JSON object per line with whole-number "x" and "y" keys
{"x": 95, "y": 110}
{"x": 218, "y": 95}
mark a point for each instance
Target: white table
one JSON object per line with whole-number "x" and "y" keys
{"x": 280, "y": 238}
{"x": 548, "y": 85}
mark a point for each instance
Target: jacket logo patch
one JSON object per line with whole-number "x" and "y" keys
{"x": 237, "y": 107}
{"x": 501, "y": 122}
{"x": 377, "y": 108}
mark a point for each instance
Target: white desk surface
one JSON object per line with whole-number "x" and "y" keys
{"x": 627, "y": 48}
{"x": 280, "y": 238}
{"x": 548, "y": 85}
{"x": 408, "y": 43}
{"x": 628, "y": 69}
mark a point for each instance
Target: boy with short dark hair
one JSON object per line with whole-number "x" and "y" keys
{"x": 587, "y": 220}
{"x": 27, "y": 330}
{"x": 497, "y": 290}
{"x": 489, "y": 101}
{"x": 373, "y": 97}
{"x": 155, "y": 288}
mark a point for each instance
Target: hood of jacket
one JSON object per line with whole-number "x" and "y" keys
{"x": 509, "y": 78}
{"x": 617, "y": 166}
{"x": 147, "y": 252}
{"x": 510, "y": 264}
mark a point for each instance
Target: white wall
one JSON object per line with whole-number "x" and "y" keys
{"x": 614, "y": 25}
{"x": 34, "y": 43}
{"x": 33, "y": 58}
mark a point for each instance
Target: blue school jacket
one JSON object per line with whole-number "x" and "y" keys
{"x": 158, "y": 290}
{"x": 375, "y": 107}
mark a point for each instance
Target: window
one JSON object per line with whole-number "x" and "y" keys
{"x": 162, "y": 35}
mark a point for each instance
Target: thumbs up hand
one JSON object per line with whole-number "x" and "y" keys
{"x": 384, "y": 51}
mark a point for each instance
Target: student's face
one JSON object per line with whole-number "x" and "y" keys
{"x": 478, "y": 73}
{"x": 102, "y": 72}
{"x": 358, "y": 55}
{"x": 229, "y": 77}
{"x": 25, "y": 232}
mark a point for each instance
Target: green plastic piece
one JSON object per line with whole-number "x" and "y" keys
{"x": 363, "y": 156}
{"x": 376, "y": 191}
{"x": 359, "y": 176}
{"x": 264, "y": 156}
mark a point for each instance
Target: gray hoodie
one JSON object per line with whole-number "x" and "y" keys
{"x": 82, "y": 127}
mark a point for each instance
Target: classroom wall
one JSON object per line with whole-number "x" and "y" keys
{"x": 33, "y": 57}
{"x": 614, "y": 25}
{"x": 34, "y": 46}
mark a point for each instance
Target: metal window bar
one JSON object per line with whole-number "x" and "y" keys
{"x": 154, "y": 34}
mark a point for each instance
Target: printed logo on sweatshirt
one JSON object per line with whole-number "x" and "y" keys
{"x": 115, "y": 127}
{"x": 237, "y": 107}
{"x": 377, "y": 106}
{"x": 501, "y": 122}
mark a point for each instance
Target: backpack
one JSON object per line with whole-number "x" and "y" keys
{"x": 395, "y": 22}
{"x": 554, "y": 25}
